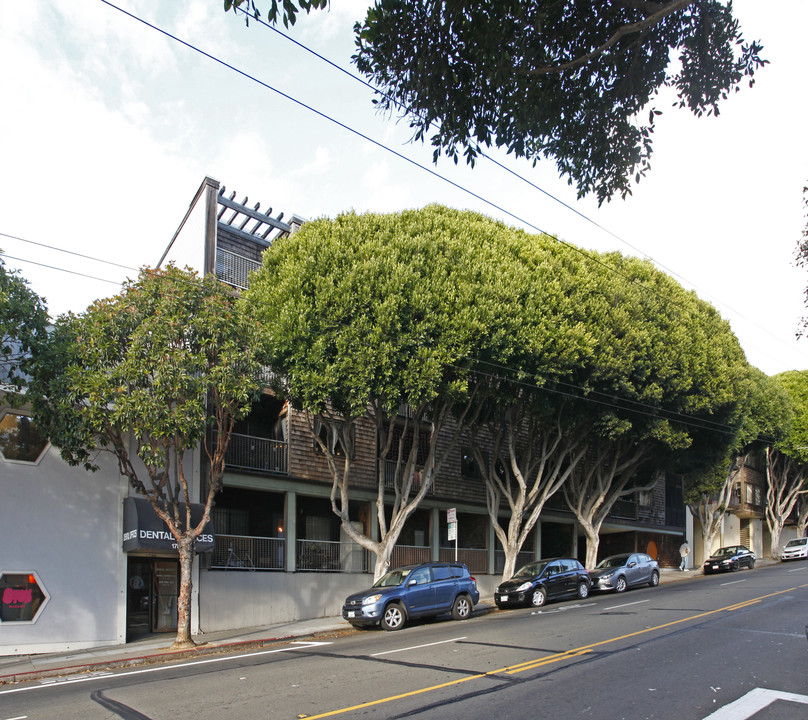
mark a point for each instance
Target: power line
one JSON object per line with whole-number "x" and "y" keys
{"x": 569, "y": 207}
{"x": 52, "y": 267}
{"x": 67, "y": 252}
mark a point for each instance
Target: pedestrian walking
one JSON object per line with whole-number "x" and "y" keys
{"x": 684, "y": 551}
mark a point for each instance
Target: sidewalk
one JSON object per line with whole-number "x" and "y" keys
{"x": 157, "y": 648}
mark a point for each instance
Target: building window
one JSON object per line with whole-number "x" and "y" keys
{"x": 22, "y": 597}
{"x": 20, "y": 438}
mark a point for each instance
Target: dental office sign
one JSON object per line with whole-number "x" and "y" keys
{"x": 144, "y": 531}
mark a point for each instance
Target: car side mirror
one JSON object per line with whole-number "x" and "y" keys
{"x": 411, "y": 583}
{"x": 631, "y": 564}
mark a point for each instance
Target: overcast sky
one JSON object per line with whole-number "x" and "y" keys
{"x": 108, "y": 127}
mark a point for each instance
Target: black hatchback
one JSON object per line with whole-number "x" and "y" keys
{"x": 537, "y": 582}
{"x": 728, "y": 559}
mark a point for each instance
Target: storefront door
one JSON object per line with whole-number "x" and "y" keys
{"x": 151, "y": 596}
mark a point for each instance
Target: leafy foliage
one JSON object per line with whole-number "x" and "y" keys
{"x": 23, "y": 323}
{"x": 285, "y": 10}
{"x": 155, "y": 368}
{"x": 555, "y": 79}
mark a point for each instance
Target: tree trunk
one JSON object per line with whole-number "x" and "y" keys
{"x": 183, "y": 639}
{"x": 592, "y": 544}
{"x": 775, "y": 528}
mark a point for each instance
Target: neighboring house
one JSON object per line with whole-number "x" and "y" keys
{"x": 744, "y": 523}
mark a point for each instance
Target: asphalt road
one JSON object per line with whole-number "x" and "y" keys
{"x": 734, "y": 645}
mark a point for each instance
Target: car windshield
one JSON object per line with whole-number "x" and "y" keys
{"x": 798, "y": 542}
{"x": 393, "y": 578}
{"x": 531, "y": 570}
{"x": 613, "y": 561}
{"x": 724, "y": 552}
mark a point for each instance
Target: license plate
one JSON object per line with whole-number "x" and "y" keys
{"x": 351, "y": 613}
{"x": 503, "y": 598}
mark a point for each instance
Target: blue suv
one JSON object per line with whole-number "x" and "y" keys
{"x": 414, "y": 591}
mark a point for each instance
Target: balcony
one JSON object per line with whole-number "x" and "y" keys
{"x": 248, "y": 452}
{"x": 234, "y": 269}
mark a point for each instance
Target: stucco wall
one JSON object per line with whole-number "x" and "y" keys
{"x": 63, "y": 523}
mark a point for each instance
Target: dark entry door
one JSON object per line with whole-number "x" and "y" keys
{"x": 151, "y": 596}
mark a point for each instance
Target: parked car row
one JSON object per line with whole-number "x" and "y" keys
{"x": 435, "y": 588}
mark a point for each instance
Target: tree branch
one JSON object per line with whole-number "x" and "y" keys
{"x": 637, "y": 27}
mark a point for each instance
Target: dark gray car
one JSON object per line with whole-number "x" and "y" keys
{"x": 620, "y": 572}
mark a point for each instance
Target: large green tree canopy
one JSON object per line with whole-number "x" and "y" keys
{"x": 554, "y": 79}
{"x": 558, "y": 79}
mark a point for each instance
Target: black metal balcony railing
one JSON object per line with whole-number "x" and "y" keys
{"x": 234, "y": 269}
{"x": 247, "y": 452}
{"x": 624, "y": 509}
{"x": 242, "y": 552}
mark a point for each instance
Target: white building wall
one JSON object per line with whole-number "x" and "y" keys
{"x": 63, "y": 523}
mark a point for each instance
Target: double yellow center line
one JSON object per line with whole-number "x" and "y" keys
{"x": 547, "y": 660}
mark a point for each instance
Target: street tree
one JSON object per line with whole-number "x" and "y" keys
{"x": 372, "y": 320}
{"x": 555, "y": 79}
{"x": 528, "y": 440}
{"x": 664, "y": 390}
{"x": 787, "y": 459}
{"x": 23, "y": 323}
{"x": 766, "y": 411}
{"x": 147, "y": 375}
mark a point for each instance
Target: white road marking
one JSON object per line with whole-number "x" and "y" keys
{"x": 638, "y": 602}
{"x": 561, "y": 609}
{"x": 417, "y": 647}
{"x": 733, "y": 582}
{"x": 299, "y": 645}
{"x": 753, "y": 702}
{"x": 796, "y": 569}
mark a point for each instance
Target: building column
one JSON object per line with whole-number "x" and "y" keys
{"x": 290, "y": 529}
{"x": 434, "y": 526}
{"x": 537, "y": 539}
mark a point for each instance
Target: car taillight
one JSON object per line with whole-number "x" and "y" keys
{"x": 473, "y": 579}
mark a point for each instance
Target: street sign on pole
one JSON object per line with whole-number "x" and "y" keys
{"x": 451, "y": 518}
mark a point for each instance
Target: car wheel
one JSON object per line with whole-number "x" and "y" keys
{"x": 654, "y": 581}
{"x": 461, "y": 608}
{"x": 735, "y": 567}
{"x": 539, "y": 597}
{"x": 752, "y": 564}
{"x": 393, "y": 617}
{"x": 583, "y": 590}
{"x": 621, "y": 585}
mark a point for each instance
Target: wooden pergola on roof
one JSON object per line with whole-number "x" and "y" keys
{"x": 250, "y": 223}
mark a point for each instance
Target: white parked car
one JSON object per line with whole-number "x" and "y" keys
{"x": 795, "y": 549}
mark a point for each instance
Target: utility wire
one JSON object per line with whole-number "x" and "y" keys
{"x": 525, "y": 180}
{"x": 67, "y": 252}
